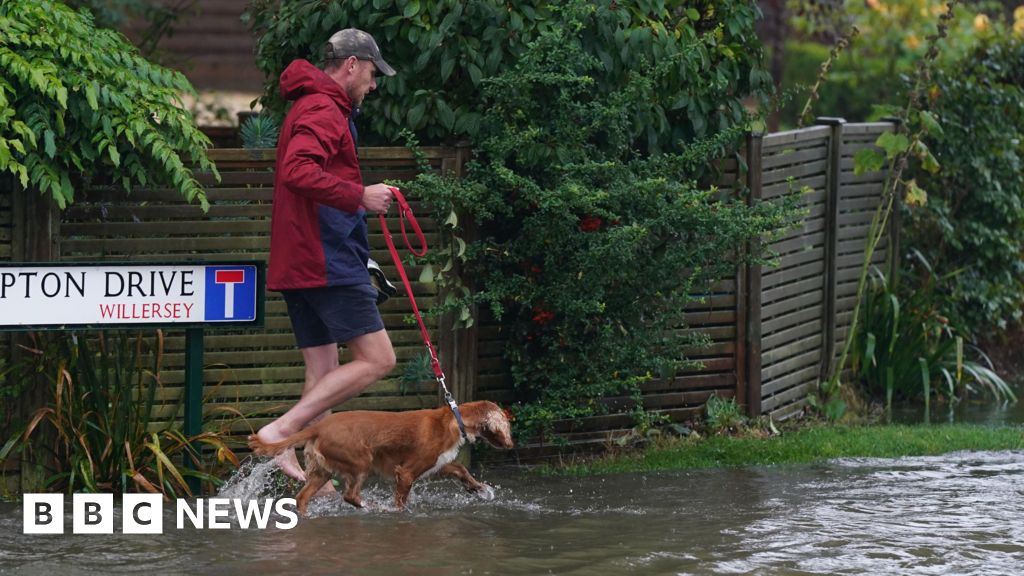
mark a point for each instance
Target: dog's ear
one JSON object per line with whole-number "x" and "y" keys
{"x": 508, "y": 415}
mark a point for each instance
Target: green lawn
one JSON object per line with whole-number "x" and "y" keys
{"x": 803, "y": 446}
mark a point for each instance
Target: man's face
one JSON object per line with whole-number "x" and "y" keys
{"x": 362, "y": 81}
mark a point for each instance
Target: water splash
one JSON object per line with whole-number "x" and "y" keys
{"x": 255, "y": 478}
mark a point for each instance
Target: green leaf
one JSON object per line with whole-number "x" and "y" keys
{"x": 930, "y": 123}
{"x": 445, "y": 114}
{"x": 90, "y": 95}
{"x": 915, "y": 196}
{"x": 427, "y": 275}
{"x": 49, "y": 145}
{"x": 867, "y": 160}
{"x": 447, "y": 66}
{"x": 416, "y": 115}
{"x": 65, "y": 186}
{"x": 452, "y": 219}
{"x": 412, "y": 8}
{"x": 928, "y": 161}
{"x": 115, "y": 156}
{"x": 893, "y": 144}
{"x": 475, "y": 74}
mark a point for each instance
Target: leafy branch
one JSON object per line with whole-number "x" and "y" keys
{"x": 78, "y": 102}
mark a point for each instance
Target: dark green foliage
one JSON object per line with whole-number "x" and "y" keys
{"x": 78, "y": 102}
{"x": 972, "y": 225}
{"x": 445, "y": 49}
{"x": 588, "y": 251}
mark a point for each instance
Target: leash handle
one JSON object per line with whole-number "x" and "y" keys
{"x": 405, "y": 213}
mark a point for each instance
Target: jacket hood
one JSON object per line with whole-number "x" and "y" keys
{"x": 301, "y": 78}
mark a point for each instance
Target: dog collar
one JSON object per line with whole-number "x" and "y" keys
{"x": 458, "y": 416}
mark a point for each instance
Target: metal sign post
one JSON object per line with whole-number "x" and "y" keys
{"x": 102, "y": 296}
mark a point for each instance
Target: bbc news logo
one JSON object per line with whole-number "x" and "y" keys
{"x": 144, "y": 514}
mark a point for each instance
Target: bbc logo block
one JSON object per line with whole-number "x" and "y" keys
{"x": 93, "y": 513}
{"x": 43, "y": 514}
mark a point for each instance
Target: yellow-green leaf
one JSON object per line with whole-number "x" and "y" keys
{"x": 427, "y": 275}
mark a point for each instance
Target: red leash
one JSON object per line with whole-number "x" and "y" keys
{"x": 405, "y": 213}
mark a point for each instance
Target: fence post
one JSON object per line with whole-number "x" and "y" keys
{"x": 752, "y": 321}
{"x": 460, "y": 358}
{"x": 828, "y": 332}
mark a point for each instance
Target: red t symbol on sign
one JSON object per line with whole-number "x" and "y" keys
{"x": 229, "y": 278}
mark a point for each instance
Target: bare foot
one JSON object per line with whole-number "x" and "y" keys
{"x": 326, "y": 490}
{"x": 286, "y": 460}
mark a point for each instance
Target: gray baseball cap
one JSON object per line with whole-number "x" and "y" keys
{"x": 353, "y": 42}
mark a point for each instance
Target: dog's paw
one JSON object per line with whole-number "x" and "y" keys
{"x": 485, "y": 493}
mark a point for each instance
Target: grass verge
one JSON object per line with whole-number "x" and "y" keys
{"x": 801, "y": 446}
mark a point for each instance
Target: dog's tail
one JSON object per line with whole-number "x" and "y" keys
{"x": 261, "y": 448}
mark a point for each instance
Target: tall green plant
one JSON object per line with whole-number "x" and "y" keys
{"x": 588, "y": 251}
{"x": 104, "y": 389}
{"x": 78, "y": 102}
{"x": 444, "y": 50}
{"x": 906, "y": 348}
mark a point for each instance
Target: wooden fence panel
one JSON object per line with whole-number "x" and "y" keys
{"x": 793, "y": 291}
{"x": 859, "y": 198}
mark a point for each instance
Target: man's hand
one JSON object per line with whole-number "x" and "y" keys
{"x": 377, "y": 198}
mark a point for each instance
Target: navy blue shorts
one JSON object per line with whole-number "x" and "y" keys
{"x": 333, "y": 314}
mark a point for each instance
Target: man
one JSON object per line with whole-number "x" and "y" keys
{"x": 318, "y": 246}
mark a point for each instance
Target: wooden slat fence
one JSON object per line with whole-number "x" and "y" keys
{"x": 774, "y": 329}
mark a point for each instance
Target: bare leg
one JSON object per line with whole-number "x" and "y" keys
{"x": 372, "y": 359}
{"x": 320, "y": 361}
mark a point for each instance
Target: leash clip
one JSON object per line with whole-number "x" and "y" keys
{"x": 453, "y": 407}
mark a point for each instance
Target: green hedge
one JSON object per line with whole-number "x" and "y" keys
{"x": 445, "y": 49}
{"x": 972, "y": 225}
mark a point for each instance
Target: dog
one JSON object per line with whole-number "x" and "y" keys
{"x": 407, "y": 446}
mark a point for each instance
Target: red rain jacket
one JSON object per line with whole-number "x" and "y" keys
{"x": 318, "y": 227}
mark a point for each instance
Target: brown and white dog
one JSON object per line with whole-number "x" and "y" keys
{"x": 407, "y": 446}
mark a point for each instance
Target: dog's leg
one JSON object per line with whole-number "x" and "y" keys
{"x": 403, "y": 484}
{"x": 315, "y": 479}
{"x": 354, "y": 488}
{"x": 459, "y": 472}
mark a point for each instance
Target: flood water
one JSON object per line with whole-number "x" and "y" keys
{"x": 961, "y": 513}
